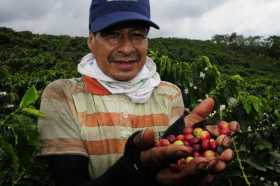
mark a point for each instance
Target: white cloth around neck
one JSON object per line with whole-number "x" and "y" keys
{"x": 139, "y": 89}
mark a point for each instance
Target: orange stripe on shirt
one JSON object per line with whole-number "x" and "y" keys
{"x": 149, "y": 120}
{"x": 111, "y": 119}
{"x": 94, "y": 87}
{"x": 108, "y": 146}
{"x": 63, "y": 146}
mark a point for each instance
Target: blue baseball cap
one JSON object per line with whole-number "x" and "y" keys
{"x": 105, "y": 13}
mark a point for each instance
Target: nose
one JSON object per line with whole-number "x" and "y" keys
{"x": 126, "y": 45}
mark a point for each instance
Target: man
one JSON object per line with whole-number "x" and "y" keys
{"x": 100, "y": 129}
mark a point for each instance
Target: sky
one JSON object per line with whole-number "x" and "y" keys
{"x": 193, "y": 19}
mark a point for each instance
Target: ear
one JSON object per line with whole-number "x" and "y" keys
{"x": 91, "y": 41}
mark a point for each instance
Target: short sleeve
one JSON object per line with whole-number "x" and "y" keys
{"x": 59, "y": 129}
{"x": 176, "y": 105}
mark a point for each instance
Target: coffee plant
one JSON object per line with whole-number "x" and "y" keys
{"x": 254, "y": 105}
{"x": 257, "y": 147}
{"x": 19, "y": 143}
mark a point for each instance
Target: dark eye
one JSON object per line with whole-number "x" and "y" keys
{"x": 139, "y": 35}
{"x": 110, "y": 34}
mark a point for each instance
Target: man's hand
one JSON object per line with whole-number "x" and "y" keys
{"x": 158, "y": 156}
{"x": 193, "y": 169}
{"x": 200, "y": 112}
{"x": 196, "y": 171}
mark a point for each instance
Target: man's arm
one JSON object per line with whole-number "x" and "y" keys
{"x": 72, "y": 170}
{"x": 138, "y": 166}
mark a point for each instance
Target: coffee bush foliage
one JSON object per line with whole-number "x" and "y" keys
{"x": 256, "y": 105}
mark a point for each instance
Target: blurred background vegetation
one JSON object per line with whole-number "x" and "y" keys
{"x": 242, "y": 73}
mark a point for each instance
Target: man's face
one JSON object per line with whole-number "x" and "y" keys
{"x": 121, "y": 50}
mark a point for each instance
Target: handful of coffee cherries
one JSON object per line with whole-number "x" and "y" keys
{"x": 212, "y": 142}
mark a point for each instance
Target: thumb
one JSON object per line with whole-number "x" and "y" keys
{"x": 145, "y": 139}
{"x": 200, "y": 112}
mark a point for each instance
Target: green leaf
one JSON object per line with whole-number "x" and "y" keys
{"x": 33, "y": 112}
{"x": 277, "y": 114}
{"x": 8, "y": 157}
{"x": 247, "y": 107}
{"x": 275, "y": 155}
{"x": 237, "y": 77}
{"x": 242, "y": 148}
{"x": 263, "y": 145}
{"x": 30, "y": 97}
{"x": 257, "y": 103}
{"x": 255, "y": 165}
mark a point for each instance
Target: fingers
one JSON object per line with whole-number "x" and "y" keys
{"x": 206, "y": 180}
{"x": 219, "y": 166}
{"x": 145, "y": 139}
{"x": 234, "y": 127}
{"x": 213, "y": 129}
{"x": 195, "y": 166}
{"x": 164, "y": 155}
{"x": 224, "y": 141}
{"x": 223, "y": 127}
{"x": 199, "y": 171}
{"x": 227, "y": 155}
{"x": 167, "y": 176}
{"x": 200, "y": 112}
{"x": 202, "y": 167}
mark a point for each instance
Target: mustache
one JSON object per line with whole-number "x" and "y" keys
{"x": 121, "y": 57}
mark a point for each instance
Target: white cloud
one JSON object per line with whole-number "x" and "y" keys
{"x": 177, "y": 9}
{"x": 62, "y": 17}
{"x": 11, "y": 10}
{"x": 250, "y": 17}
{"x": 199, "y": 19}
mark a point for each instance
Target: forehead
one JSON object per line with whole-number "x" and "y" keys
{"x": 128, "y": 25}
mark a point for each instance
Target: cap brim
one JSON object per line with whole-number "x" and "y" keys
{"x": 118, "y": 17}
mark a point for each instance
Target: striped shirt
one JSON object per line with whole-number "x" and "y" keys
{"x": 82, "y": 119}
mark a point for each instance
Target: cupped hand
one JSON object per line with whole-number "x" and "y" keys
{"x": 200, "y": 113}
{"x": 161, "y": 158}
{"x": 200, "y": 171}
{"x": 153, "y": 156}
{"x": 193, "y": 173}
